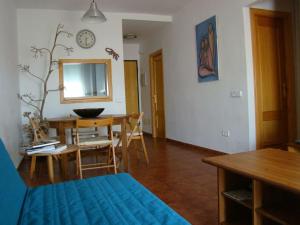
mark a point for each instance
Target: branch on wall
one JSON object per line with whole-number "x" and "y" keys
{"x": 29, "y": 100}
{"x": 26, "y": 69}
{"x": 60, "y": 88}
{"x": 39, "y": 52}
{"x": 68, "y": 50}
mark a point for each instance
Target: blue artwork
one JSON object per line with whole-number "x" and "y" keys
{"x": 207, "y": 52}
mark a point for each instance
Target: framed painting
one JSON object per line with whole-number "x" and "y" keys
{"x": 207, "y": 50}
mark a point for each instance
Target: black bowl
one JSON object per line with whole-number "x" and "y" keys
{"x": 88, "y": 112}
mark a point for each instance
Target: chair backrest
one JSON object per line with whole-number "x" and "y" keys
{"x": 92, "y": 123}
{"x": 136, "y": 126}
{"x": 12, "y": 189}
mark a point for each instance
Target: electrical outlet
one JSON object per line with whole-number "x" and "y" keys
{"x": 225, "y": 133}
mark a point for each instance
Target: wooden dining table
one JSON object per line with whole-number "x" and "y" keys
{"x": 63, "y": 123}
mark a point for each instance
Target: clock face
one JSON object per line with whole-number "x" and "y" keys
{"x": 85, "y": 39}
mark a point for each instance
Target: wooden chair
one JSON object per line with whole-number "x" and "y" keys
{"x": 93, "y": 140}
{"x": 135, "y": 133}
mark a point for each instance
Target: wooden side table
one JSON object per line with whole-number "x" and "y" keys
{"x": 258, "y": 186}
{"x": 62, "y": 155}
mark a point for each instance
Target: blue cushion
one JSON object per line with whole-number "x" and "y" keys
{"x": 107, "y": 200}
{"x": 12, "y": 189}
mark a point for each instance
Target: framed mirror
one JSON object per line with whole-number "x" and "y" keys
{"x": 85, "y": 80}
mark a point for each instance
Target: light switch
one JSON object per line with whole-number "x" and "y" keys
{"x": 236, "y": 94}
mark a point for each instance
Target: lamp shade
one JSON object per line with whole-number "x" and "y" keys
{"x": 93, "y": 15}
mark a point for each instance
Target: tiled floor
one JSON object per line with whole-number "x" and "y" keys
{"x": 176, "y": 174}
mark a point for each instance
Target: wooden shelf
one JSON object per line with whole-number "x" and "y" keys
{"x": 264, "y": 173}
{"x": 282, "y": 215}
{"x": 247, "y": 203}
{"x": 236, "y": 223}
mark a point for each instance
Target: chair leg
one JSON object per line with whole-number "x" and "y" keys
{"x": 109, "y": 158}
{"x": 109, "y": 155}
{"x": 50, "y": 168}
{"x": 79, "y": 164}
{"x": 114, "y": 158}
{"x": 32, "y": 166}
{"x": 144, "y": 149}
{"x": 118, "y": 157}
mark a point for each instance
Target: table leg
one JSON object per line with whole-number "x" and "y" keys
{"x": 124, "y": 145}
{"x": 64, "y": 165}
{"x": 32, "y": 166}
{"x": 50, "y": 168}
{"x": 61, "y": 133}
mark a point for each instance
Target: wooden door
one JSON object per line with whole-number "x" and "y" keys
{"x": 274, "y": 78}
{"x": 157, "y": 95}
{"x": 131, "y": 86}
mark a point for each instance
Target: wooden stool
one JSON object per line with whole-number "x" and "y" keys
{"x": 61, "y": 155}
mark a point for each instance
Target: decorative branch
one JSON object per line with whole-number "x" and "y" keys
{"x": 29, "y": 101}
{"x": 67, "y": 49}
{"x": 58, "y": 89}
{"x": 26, "y": 69}
{"x": 31, "y": 98}
{"x": 40, "y": 52}
{"x": 60, "y": 31}
{"x": 55, "y": 62}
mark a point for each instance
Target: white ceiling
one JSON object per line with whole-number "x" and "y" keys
{"x": 142, "y": 29}
{"x": 164, "y": 7}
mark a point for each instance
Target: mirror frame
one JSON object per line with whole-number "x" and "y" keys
{"x": 107, "y": 98}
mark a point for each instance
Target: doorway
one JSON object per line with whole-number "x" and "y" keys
{"x": 274, "y": 77}
{"x": 131, "y": 86}
{"x": 157, "y": 95}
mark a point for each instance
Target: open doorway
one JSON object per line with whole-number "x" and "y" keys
{"x": 137, "y": 47}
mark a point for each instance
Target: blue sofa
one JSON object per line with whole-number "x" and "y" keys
{"x": 115, "y": 199}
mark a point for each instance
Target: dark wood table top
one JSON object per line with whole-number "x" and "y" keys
{"x": 277, "y": 167}
{"x": 73, "y": 118}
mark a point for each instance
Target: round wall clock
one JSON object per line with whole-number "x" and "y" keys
{"x": 85, "y": 38}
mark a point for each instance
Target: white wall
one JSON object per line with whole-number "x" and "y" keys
{"x": 131, "y": 51}
{"x": 9, "y": 84}
{"x": 196, "y": 113}
{"x": 37, "y": 27}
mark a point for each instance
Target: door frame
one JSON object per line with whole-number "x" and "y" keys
{"x": 138, "y": 82}
{"x": 151, "y": 67}
{"x": 290, "y": 71}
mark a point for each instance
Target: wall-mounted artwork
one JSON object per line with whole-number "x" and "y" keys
{"x": 207, "y": 50}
